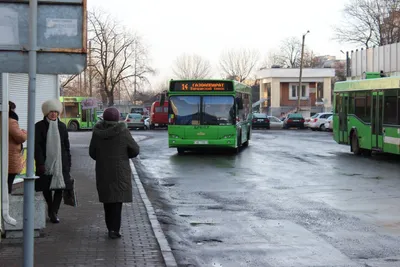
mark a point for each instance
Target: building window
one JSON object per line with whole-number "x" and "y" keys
{"x": 293, "y": 87}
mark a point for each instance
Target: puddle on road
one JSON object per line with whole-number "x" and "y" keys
{"x": 201, "y": 223}
{"x": 214, "y": 207}
{"x": 202, "y": 242}
{"x": 168, "y": 185}
{"x": 392, "y": 260}
{"x": 351, "y": 174}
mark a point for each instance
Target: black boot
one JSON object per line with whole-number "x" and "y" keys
{"x": 113, "y": 235}
{"x": 54, "y": 218}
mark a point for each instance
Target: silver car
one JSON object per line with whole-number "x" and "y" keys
{"x": 135, "y": 120}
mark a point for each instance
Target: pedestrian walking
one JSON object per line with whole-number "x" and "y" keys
{"x": 52, "y": 157}
{"x": 111, "y": 146}
{"x": 16, "y": 139}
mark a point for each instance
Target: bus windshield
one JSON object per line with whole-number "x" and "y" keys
{"x": 204, "y": 110}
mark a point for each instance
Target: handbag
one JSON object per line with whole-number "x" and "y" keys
{"x": 69, "y": 194}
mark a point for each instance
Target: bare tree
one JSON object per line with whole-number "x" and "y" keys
{"x": 290, "y": 52}
{"x": 310, "y": 60}
{"x": 340, "y": 71}
{"x": 273, "y": 59}
{"x": 370, "y": 22}
{"x": 114, "y": 53}
{"x": 191, "y": 67}
{"x": 239, "y": 63}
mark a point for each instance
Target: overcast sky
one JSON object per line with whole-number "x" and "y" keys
{"x": 208, "y": 27}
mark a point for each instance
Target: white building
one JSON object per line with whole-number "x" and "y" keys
{"x": 279, "y": 88}
{"x": 14, "y": 87}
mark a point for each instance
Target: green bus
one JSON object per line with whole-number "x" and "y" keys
{"x": 208, "y": 113}
{"x": 79, "y": 112}
{"x": 367, "y": 115}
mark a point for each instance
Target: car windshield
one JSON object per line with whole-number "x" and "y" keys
{"x": 295, "y": 115}
{"x": 315, "y": 116}
{"x": 260, "y": 115}
{"x": 273, "y": 119}
{"x": 135, "y": 116}
{"x": 330, "y": 117}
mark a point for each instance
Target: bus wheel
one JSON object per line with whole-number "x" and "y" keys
{"x": 73, "y": 126}
{"x": 355, "y": 147}
{"x": 181, "y": 150}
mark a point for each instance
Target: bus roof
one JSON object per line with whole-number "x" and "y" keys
{"x": 73, "y": 98}
{"x": 368, "y": 84}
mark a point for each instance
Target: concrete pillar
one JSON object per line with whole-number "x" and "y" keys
{"x": 262, "y": 88}
{"x": 275, "y": 96}
{"x": 327, "y": 94}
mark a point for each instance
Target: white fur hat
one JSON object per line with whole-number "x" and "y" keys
{"x": 51, "y": 105}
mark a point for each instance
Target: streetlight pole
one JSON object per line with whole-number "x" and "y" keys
{"x": 301, "y": 72}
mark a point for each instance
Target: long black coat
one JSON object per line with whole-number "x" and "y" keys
{"x": 112, "y": 146}
{"x": 41, "y": 128}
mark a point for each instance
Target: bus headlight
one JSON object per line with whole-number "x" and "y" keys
{"x": 228, "y": 136}
{"x": 174, "y": 136}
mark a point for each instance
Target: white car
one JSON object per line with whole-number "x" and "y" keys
{"x": 328, "y": 124}
{"x": 275, "y": 123}
{"x": 317, "y": 122}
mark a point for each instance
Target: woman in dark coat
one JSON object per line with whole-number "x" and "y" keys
{"x": 112, "y": 146}
{"x": 52, "y": 157}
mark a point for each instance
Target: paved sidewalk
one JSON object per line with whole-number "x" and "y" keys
{"x": 80, "y": 239}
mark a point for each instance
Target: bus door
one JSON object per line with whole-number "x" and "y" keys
{"x": 87, "y": 119}
{"x": 377, "y": 131}
{"x": 343, "y": 110}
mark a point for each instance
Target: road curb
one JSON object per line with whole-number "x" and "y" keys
{"x": 158, "y": 232}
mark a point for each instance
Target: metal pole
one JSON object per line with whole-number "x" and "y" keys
{"x": 348, "y": 74}
{"x": 29, "y": 180}
{"x": 90, "y": 69}
{"x": 301, "y": 72}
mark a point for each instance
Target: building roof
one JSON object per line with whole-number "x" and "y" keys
{"x": 295, "y": 73}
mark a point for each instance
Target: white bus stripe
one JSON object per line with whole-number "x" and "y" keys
{"x": 391, "y": 140}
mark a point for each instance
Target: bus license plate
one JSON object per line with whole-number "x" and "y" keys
{"x": 201, "y": 142}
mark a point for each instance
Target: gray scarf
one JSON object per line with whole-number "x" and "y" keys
{"x": 53, "y": 163}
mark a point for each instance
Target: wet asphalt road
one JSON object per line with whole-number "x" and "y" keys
{"x": 292, "y": 198}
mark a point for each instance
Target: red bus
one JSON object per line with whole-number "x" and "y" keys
{"x": 158, "y": 115}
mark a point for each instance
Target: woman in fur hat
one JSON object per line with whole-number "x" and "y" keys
{"x": 112, "y": 146}
{"x": 16, "y": 138}
{"x": 52, "y": 157}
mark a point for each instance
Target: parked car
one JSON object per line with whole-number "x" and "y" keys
{"x": 147, "y": 123}
{"x": 275, "y": 123}
{"x": 294, "y": 120}
{"x": 317, "y": 121}
{"x": 260, "y": 120}
{"x": 328, "y": 124}
{"x": 135, "y": 120}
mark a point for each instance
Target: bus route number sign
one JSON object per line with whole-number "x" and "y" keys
{"x": 202, "y": 86}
